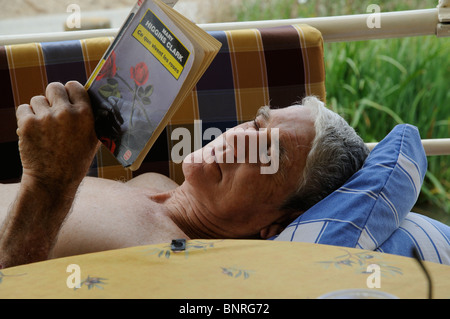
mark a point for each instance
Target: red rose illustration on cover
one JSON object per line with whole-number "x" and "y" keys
{"x": 124, "y": 104}
{"x": 109, "y": 69}
{"x": 139, "y": 73}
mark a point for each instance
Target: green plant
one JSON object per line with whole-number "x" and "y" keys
{"x": 378, "y": 84}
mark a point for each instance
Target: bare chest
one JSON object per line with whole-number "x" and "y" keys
{"x": 113, "y": 216}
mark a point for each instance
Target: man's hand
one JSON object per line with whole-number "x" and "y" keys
{"x": 57, "y": 141}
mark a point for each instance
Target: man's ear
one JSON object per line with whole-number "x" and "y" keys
{"x": 270, "y": 231}
{"x": 278, "y": 226}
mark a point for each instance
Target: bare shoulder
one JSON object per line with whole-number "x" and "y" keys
{"x": 158, "y": 182}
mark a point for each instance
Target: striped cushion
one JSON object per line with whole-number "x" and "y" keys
{"x": 255, "y": 67}
{"x": 430, "y": 237}
{"x": 372, "y": 209}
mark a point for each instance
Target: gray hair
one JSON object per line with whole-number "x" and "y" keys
{"x": 337, "y": 152}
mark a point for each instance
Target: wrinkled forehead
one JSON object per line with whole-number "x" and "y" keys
{"x": 296, "y": 118}
{"x": 296, "y": 126}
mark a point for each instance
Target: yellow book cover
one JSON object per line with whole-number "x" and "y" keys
{"x": 156, "y": 59}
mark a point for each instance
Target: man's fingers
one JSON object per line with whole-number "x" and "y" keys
{"x": 39, "y": 104}
{"x": 24, "y": 110}
{"x": 76, "y": 92}
{"x": 70, "y": 93}
{"x": 56, "y": 94}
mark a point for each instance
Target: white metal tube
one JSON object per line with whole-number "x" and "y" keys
{"x": 353, "y": 27}
{"x": 56, "y": 36}
{"x": 333, "y": 29}
{"x": 438, "y": 146}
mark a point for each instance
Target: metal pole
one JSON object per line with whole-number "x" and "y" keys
{"x": 353, "y": 27}
{"x": 334, "y": 29}
{"x": 439, "y": 146}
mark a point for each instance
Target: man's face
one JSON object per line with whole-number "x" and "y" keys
{"x": 235, "y": 190}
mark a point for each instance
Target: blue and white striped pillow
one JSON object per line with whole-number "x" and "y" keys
{"x": 430, "y": 237}
{"x": 373, "y": 204}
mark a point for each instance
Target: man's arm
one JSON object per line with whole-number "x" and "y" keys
{"x": 57, "y": 143}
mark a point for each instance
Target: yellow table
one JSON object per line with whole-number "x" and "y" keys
{"x": 223, "y": 269}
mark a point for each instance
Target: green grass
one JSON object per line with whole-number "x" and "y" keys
{"x": 377, "y": 84}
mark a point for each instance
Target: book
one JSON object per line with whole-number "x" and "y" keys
{"x": 154, "y": 62}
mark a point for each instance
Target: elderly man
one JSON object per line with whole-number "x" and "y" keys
{"x": 56, "y": 211}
